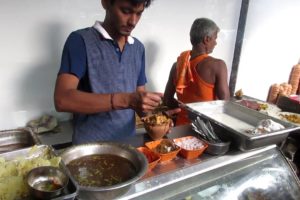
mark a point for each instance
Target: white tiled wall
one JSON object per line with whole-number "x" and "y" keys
{"x": 33, "y": 32}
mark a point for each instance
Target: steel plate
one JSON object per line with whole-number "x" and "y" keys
{"x": 17, "y": 139}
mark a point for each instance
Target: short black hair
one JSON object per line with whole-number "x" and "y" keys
{"x": 134, "y": 2}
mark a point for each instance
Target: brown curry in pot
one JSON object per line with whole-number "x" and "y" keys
{"x": 101, "y": 170}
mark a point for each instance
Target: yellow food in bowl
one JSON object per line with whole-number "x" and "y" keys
{"x": 157, "y": 119}
{"x": 157, "y": 125}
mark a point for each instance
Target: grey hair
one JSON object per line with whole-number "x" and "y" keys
{"x": 202, "y": 27}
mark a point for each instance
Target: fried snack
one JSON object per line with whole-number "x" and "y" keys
{"x": 263, "y": 106}
{"x": 138, "y": 121}
{"x": 294, "y": 78}
{"x": 239, "y": 94}
{"x": 273, "y": 93}
{"x": 283, "y": 89}
{"x": 165, "y": 146}
{"x": 291, "y": 117}
{"x": 157, "y": 119}
{"x": 287, "y": 88}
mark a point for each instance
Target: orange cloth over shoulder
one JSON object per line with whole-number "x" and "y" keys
{"x": 190, "y": 87}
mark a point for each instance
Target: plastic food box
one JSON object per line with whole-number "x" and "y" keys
{"x": 152, "y": 157}
{"x": 191, "y": 147}
{"x": 164, "y": 156}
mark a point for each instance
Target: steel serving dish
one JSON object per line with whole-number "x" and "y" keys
{"x": 232, "y": 120}
{"x": 17, "y": 139}
{"x": 69, "y": 192}
{"x": 219, "y": 148}
{"x": 106, "y": 192}
{"x": 46, "y": 182}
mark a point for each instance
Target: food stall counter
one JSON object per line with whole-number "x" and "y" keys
{"x": 181, "y": 178}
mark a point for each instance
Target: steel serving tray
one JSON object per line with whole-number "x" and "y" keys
{"x": 233, "y": 120}
{"x": 129, "y": 152}
{"x": 17, "y": 139}
{"x": 69, "y": 192}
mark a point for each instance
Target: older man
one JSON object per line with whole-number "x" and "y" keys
{"x": 196, "y": 76}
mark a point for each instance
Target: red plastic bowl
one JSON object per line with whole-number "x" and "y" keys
{"x": 152, "y": 157}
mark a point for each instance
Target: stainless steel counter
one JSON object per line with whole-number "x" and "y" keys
{"x": 166, "y": 174}
{"x": 170, "y": 172}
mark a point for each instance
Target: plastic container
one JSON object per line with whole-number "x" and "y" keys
{"x": 191, "y": 147}
{"x": 164, "y": 156}
{"x": 152, "y": 157}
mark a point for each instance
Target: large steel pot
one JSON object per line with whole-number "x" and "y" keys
{"x": 106, "y": 192}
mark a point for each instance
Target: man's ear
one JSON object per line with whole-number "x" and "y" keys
{"x": 206, "y": 39}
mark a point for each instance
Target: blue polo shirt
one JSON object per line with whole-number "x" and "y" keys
{"x": 74, "y": 61}
{"x": 92, "y": 56}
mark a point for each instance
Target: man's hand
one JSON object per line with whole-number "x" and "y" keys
{"x": 173, "y": 112}
{"x": 144, "y": 102}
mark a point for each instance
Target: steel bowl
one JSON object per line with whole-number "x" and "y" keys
{"x": 46, "y": 182}
{"x": 217, "y": 148}
{"x": 138, "y": 160}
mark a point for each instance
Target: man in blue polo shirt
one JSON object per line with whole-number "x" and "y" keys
{"x": 102, "y": 75}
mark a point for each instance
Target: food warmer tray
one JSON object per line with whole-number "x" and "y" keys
{"x": 232, "y": 120}
{"x": 17, "y": 139}
{"x": 69, "y": 192}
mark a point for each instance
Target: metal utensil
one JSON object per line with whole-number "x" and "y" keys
{"x": 202, "y": 135}
{"x": 215, "y": 146}
{"x": 206, "y": 130}
{"x": 212, "y": 132}
{"x": 201, "y": 130}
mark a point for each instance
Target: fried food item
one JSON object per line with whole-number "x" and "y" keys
{"x": 239, "y": 94}
{"x": 263, "y": 106}
{"x": 276, "y": 90}
{"x": 294, "y": 78}
{"x": 138, "y": 121}
{"x": 285, "y": 89}
{"x": 273, "y": 93}
{"x": 291, "y": 117}
{"x": 157, "y": 119}
{"x": 165, "y": 146}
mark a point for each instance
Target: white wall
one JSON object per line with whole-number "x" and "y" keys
{"x": 33, "y": 33}
{"x": 271, "y": 45}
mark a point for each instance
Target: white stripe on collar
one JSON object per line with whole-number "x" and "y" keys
{"x": 105, "y": 34}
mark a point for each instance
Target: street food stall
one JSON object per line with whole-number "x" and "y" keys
{"x": 253, "y": 167}
{"x": 238, "y": 149}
